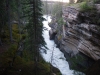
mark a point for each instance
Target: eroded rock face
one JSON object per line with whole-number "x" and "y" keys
{"x": 78, "y": 37}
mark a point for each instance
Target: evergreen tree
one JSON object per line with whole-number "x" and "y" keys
{"x": 3, "y": 17}
{"x": 9, "y": 18}
{"x": 32, "y": 13}
{"x": 34, "y": 27}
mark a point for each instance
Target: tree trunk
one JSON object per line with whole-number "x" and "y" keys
{"x": 0, "y": 42}
{"x": 18, "y": 12}
{"x": 9, "y": 19}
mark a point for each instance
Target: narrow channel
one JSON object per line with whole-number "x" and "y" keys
{"x": 54, "y": 55}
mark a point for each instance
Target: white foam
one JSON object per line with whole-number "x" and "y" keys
{"x": 58, "y": 59}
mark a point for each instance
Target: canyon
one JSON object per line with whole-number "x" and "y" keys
{"x": 78, "y": 37}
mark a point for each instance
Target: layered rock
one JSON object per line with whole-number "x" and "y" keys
{"x": 79, "y": 37}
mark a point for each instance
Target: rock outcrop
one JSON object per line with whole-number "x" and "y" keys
{"x": 79, "y": 37}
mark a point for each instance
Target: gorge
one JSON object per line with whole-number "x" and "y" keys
{"x": 78, "y": 37}
{"x": 53, "y": 55}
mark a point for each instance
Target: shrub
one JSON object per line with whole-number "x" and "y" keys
{"x": 85, "y": 6}
{"x": 96, "y": 1}
{"x": 60, "y": 21}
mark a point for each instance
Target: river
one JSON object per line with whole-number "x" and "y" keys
{"x": 54, "y": 55}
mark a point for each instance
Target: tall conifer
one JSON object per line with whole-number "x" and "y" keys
{"x": 34, "y": 27}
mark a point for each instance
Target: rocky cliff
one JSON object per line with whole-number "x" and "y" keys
{"x": 78, "y": 37}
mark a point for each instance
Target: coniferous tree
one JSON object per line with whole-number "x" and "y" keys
{"x": 34, "y": 27}
{"x": 32, "y": 12}
{"x": 9, "y": 18}
{"x": 3, "y": 18}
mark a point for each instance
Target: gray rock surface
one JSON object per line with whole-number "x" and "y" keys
{"x": 77, "y": 39}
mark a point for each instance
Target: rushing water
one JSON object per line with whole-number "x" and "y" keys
{"x": 54, "y": 55}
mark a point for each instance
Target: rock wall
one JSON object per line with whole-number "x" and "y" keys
{"x": 78, "y": 38}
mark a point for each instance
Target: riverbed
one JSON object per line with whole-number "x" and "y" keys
{"x": 53, "y": 55}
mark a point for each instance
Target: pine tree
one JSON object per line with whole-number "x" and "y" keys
{"x": 3, "y": 18}
{"x": 34, "y": 27}
{"x": 9, "y": 18}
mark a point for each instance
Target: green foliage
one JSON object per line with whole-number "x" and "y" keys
{"x": 21, "y": 66}
{"x": 12, "y": 50}
{"x": 46, "y": 8}
{"x": 57, "y": 10}
{"x": 60, "y": 37}
{"x": 7, "y": 56}
{"x": 5, "y": 35}
{"x": 15, "y": 32}
{"x": 53, "y": 8}
{"x": 26, "y": 55}
{"x": 75, "y": 63}
{"x": 86, "y": 7}
{"x": 60, "y": 21}
{"x": 34, "y": 27}
{"x": 3, "y": 16}
{"x": 96, "y": 1}
{"x": 12, "y": 63}
{"x": 90, "y": 14}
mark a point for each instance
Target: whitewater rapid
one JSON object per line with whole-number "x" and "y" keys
{"x": 54, "y": 55}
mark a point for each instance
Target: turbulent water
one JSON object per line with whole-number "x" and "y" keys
{"x": 54, "y": 55}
